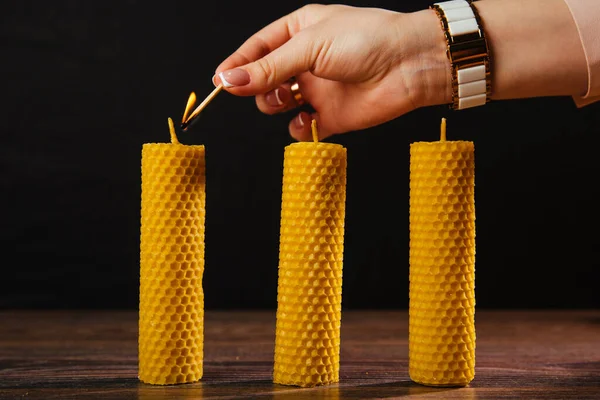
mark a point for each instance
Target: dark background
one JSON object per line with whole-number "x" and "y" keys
{"x": 85, "y": 84}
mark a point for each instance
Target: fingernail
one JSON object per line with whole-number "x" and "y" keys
{"x": 234, "y": 77}
{"x": 277, "y": 97}
{"x": 298, "y": 122}
{"x": 214, "y": 79}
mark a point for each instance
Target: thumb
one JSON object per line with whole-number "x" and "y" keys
{"x": 267, "y": 73}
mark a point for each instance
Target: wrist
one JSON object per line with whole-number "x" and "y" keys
{"x": 427, "y": 59}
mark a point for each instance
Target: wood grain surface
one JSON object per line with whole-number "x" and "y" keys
{"x": 93, "y": 355}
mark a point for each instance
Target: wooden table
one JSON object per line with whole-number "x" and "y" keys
{"x": 93, "y": 355}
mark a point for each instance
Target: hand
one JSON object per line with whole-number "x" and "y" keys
{"x": 357, "y": 67}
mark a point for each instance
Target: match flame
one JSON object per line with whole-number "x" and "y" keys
{"x": 190, "y": 119}
{"x": 188, "y": 107}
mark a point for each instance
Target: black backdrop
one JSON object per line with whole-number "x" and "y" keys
{"x": 85, "y": 84}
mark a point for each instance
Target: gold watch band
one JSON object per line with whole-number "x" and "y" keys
{"x": 467, "y": 51}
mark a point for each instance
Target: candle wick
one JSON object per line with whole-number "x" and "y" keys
{"x": 443, "y": 130}
{"x": 174, "y": 139}
{"x": 315, "y": 134}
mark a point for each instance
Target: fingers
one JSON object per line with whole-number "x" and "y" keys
{"x": 267, "y": 73}
{"x": 300, "y": 127}
{"x": 272, "y": 36}
{"x": 262, "y": 42}
{"x": 278, "y": 100}
{"x": 274, "y": 54}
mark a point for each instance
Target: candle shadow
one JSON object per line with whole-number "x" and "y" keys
{"x": 267, "y": 389}
{"x": 402, "y": 389}
{"x": 73, "y": 383}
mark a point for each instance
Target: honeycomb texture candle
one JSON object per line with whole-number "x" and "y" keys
{"x": 171, "y": 315}
{"x": 442, "y": 263}
{"x": 307, "y": 339}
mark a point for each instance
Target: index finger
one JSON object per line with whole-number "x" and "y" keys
{"x": 270, "y": 38}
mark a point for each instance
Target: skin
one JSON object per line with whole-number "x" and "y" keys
{"x": 361, "y": 67}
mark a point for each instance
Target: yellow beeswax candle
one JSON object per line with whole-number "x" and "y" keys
{"x": 442, "y": 262}
{"x": 307, "y": 336}
{"x": 171, "y": 314}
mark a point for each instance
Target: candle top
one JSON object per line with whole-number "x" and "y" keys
{"x": 174, "y": 139}
{"x": 315, "y": 136}
{"x": 315, "y": 144}
{"x": 442, "y": 137}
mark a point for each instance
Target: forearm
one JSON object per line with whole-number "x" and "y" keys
{"x": 535, "y": 48}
